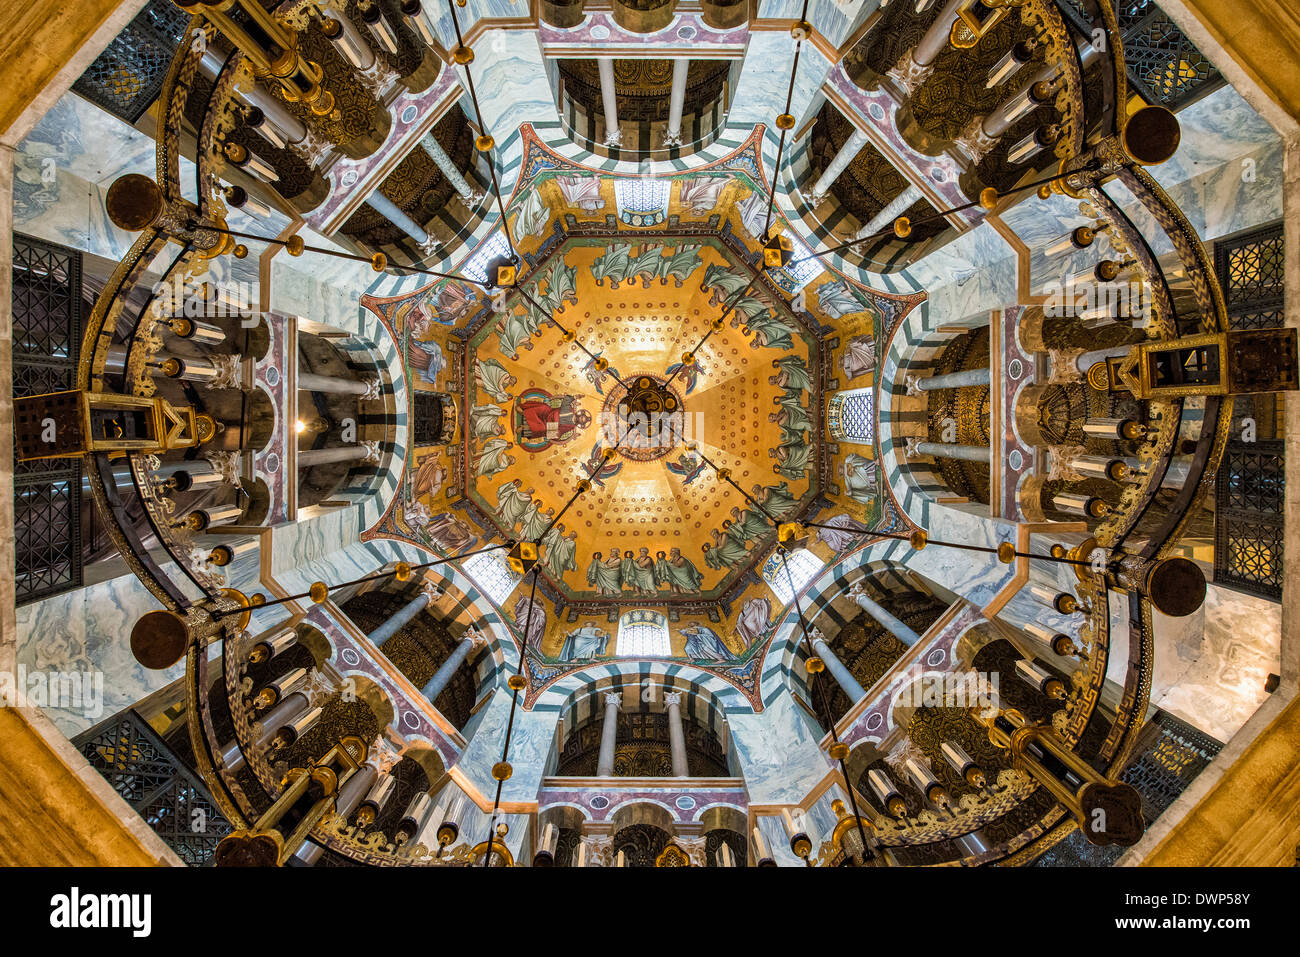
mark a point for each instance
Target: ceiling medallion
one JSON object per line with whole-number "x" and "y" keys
{"x": 645, "y": 419}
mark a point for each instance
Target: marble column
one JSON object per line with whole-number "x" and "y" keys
{"x": 442, "y": 677}
{"x": 843, "y": 677}
{"x": 449, "y": 170}
{"x": 917, "y": 63}
{"x": 954, "y": 380}
{"x": 364, "y": 452}
{"x": 608, "y": 735}
{"x": 891, "y": 623}
{"x": 429, "y": 593}
{"x": 899, "y": 205}
{"x": 944, "y": 450}
{"x": 367, "y": 388}
{"x": 609, "y": 100}
{"x": 392, "y": 212}
{"x": 838, "y": 164}
{"x": 676, "y": 102}
{"x": 676, "y": 735}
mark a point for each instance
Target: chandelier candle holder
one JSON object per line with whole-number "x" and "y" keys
{"x": 961, "y": 762}
{"x": 1038, "y": 677}
{"x": 268, "y": 647}
{"x": 279, "y": 689}
{"x": 412, "y": 822}
{"x": 311, "y": 790}
{"x": 762, "y": 852}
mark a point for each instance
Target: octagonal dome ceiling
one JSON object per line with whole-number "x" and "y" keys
{"x": 541, "y": 413}
{"x": 636, "y": 268}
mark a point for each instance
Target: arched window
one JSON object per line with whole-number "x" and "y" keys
{"x": 642, "y": 201}
{"x": 804, "y": 566}
{"x": 802, "y": 268}
{"x": 492, "y": 248}
{"x": 643, "y": 634}
{"x": 851, "y": 416}
{"x": 491, "y": 574}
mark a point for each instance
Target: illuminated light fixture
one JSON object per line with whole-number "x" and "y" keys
{"x": 250, "y": 162}
{"x": 346, "y": 43}
{"x": 237, "y": 197}
{"x": 1013, "y": 60}
{"x": 418, "y": 20}
{"x": 1035, "y": 675}
{"x": 963, "y": 763}
{"x": 777, "y": 251}
{"x": 256, "y": 120}
{"x": 522, "y": 557}
{"x": 1106, "y": 271}
{"x": 379, "y": 26}
{"x": 1031, "y": 145}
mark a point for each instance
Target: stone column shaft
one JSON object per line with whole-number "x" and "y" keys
{"x": 843, "y": 677}
{"x": 676, "y": 102}
{"x": 608, "y": 736}
{"x": 390, "y": 211}
{"x": 609, "y": 100}
{"x": 899, "y": 205}
{"x": 449, "y": 170}
{"x": 676, "y": 734}
{"x": 399, "y": 620}
{"x": 891, "y": 623}
{"x": 442, "y": 677}
{"x": 936, "y": 38}
{"x": 310, "y": 382}
{"x": 967, "y": 453}
{"x": 843, "y": 157}
{"x": 954, "y": 380}
{"x": 346, "y": 453}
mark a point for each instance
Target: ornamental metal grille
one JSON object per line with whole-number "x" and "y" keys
{"x": 128, "y": 76}
{"x": 851, "y": 417}
{"x": 46, "y": 344}
{"x": 1248, "y": 518}
{"x": 1252, "y": 271}
{"x": 1163, "y": 66}
{"x": 149, "y": 777}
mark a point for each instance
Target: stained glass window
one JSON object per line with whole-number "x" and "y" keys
{"x": 803, "y": 568}
{"x": 643, "y": 634}
{"x": 492, "y": 575}
{"x": 851, "y": 416}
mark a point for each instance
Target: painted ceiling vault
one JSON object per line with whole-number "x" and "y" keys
{"x": 636, "y": 269}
